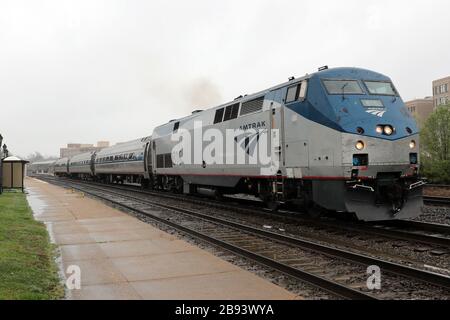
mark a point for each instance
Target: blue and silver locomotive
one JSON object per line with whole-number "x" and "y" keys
{"x": 339, "y": 139}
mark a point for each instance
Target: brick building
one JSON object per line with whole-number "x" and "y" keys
{"x": 441, "y": 93}
{"x": 73, "y": 149}
{"x": 421, "y": 108}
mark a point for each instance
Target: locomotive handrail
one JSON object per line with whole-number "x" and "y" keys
{"x": 416, "y": 185}
{"x": 360, "y": 186}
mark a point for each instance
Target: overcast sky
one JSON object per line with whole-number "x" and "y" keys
{"x": 89, "y": 70}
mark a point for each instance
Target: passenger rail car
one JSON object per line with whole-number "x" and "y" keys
{"x": 338, "y": 139}
{"x": 125, "y": 162}
{"x": 41, "y": 167}
{"x": 81, "y": 166}
{"x": 61, "y": 167}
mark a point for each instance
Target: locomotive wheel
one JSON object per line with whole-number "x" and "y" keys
{"x": 272, "y": 205}
{"x": 218, "y": 195}
{"x": 315, "y": 212}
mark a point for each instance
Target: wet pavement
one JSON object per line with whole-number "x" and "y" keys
{"x": 121, "y": 257}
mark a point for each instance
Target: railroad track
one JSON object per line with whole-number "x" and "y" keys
{"x": 426, "y": 233}
{"x": 337, "y": 271}
{"x": 437, "y": 201}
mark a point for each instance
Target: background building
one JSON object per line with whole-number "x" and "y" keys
{"x": 73, "y": 149}
{"x": 421, "y": 109}
{"x": 441, "y": 91}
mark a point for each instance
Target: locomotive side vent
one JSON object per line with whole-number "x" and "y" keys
{"x": 251, "y": 106}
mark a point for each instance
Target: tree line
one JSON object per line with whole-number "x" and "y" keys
{"x": 435, "y": 146}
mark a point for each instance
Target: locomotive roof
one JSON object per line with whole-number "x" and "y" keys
{"x": 340, "y": 72}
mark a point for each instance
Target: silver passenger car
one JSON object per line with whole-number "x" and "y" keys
{"x": 123, "y": 162}
{"x": 81, "y": 165}
{"x": 61, "y": 167}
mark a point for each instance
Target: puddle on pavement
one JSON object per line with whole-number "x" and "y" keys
{"x": 38, "y": 206}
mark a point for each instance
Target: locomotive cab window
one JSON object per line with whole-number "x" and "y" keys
{"x": 296, "y": 92}
{"x": 292, "y": 94}
{"x": 381, "y": 88}
{"x": 343, "y": 87}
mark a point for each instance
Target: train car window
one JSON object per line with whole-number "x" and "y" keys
{"x": 381, "y": 88}
{"x": 176, "y": 126}
{"x": 252, "y": 106}
{"x": 343, "y": 87}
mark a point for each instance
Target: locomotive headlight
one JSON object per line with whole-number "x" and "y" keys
{"x": 360, "y": 145}
{"x": 388, "y": 130}
{"x": 412, "y": 144}
{"x": 379, "y": 129}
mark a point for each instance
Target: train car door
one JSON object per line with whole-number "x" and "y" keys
{"x": 93, "y": 156}
{"x": 147, "y": 160}
{"x": 296, "y": 144}
{"x": 277, "y": 127}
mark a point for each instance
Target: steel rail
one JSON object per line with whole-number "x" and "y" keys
{"x": 410, "y": 272}
{"x": 437, "y": 200}
{"x": 317, "y": 281}
{"x": 368, "y": 228}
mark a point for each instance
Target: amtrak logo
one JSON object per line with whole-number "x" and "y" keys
{"x": 249, "y": 140}
{"x": 377, "y": 112}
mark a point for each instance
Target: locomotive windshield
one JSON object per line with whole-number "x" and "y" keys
{"x": 381, "y": 88}
{"x": 343, "y": 87}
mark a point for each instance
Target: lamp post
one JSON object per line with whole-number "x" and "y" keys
{"x": 1, "y": 164}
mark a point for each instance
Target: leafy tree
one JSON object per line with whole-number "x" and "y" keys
{"x": 37, "y": 156}
{"x": 34, "y": 157}
{"x": 435, "y": 144}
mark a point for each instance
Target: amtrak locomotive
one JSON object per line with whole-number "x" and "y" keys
{"x": 339, "y": 139}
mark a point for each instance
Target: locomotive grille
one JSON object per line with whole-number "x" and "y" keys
{"x": 164, "y": 160}
{"x": 252, "y": 106}
{"x": 160, "y": 161}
